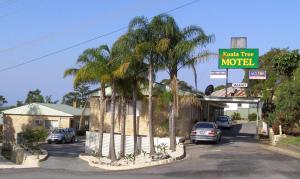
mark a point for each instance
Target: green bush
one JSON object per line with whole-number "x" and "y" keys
{"x": 236, "y": 116}
{"x": 252, "y": 117}
{"x": 32, "y": 136}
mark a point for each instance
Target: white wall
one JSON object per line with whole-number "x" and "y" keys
{"x": 234, "y": 106}
{"x": 92, "y": 143}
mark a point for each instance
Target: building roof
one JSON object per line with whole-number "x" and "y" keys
{"x": 96, "y": 92}
{"x": 46, "y": 109}
{"x": 233, "y": 92}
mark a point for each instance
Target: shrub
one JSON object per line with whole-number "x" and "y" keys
{"x": 236, "y": 116}
{"x": 252, "y": 117}
{"x": 32, "y": 136}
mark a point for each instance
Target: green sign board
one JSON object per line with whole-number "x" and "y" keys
{"x": 238, "y": 58}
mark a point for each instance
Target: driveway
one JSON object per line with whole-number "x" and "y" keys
{"x": 65, "y": 157}
{"x": 238, "y": 156}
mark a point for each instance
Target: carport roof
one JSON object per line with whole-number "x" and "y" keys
{"x": 46, "y": 109}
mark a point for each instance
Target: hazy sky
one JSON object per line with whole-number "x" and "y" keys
{"x": 33, "y": 28}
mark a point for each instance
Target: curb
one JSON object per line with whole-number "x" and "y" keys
{"x": 131, "y": 167}
{"x": 44, "y": 157}
{"x": 281, "y": 151}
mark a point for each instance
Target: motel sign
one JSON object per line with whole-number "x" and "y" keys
{"x": 238, "y": 58}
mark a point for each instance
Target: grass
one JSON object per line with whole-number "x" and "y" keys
{"x": 291, "y": 140}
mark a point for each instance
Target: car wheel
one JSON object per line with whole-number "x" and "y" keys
{"x": 63, "y": 141}
{"x": 49, "y": 142}
{"x": 193, "y": 141}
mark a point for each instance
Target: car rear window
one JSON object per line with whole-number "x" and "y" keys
{"x": 204, "y": 125}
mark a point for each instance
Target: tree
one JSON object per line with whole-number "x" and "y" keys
{"x": 286, "y": 62}
{"x": 287, "y": 102}
{"x": 48, "y": 99}
{"x": 2, "y": 100}
{"x": 178, "y": 49}
{"x": 34, "y": 97}
{"x": 133, "y": 68}
{"x": 148, "y": 35}
{"x": 279, "y": 65}
{"x": 78, "y": 97}
{"x": 94, "y": 68}
{"x": 19, "y": 103}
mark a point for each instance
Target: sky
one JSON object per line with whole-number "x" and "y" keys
{"x": 33, "y": 28}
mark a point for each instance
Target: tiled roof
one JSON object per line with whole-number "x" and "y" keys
{"x": 47, "y": 109}
{"x": 236, "y": 92}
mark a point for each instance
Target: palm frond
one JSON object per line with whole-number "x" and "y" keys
{"x": 70, "y": 72}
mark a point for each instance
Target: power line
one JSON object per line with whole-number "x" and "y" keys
{"x": 86, "y": 41}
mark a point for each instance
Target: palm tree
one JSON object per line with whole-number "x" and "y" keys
{"x": 124, "y": 95}
{"x": 149, "y": 36}
{"x": 177, "y": 48}
{"x": 131, "y": 67}
{"x": 94, "y": 68}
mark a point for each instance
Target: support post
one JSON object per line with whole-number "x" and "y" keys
{"x": 226, "y": 85}
{"x": 257, "y": 135}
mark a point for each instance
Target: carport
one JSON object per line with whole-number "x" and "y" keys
{"x": 222, "y": 100}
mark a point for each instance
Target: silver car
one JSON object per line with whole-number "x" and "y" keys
{"x": 205, "y": 131}
{"x": 61, "y": 136}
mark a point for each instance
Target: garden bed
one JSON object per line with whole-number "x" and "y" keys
{"x": 141, "y": 161}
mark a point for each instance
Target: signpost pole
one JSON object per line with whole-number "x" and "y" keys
{"x": 226, "y": 85}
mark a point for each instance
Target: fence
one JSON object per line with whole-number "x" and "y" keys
{"x": 92, "y": 143}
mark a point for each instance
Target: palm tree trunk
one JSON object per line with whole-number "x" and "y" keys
{"x": 112, "y": 152}
{"x": 123, "y": 125}
{"x": 102, "y": 107}
{"x": 134, "y": 98}
{"x": 173, "y": 112}
{"x": 81, "y": 120}
{"x": 150, "y": 112}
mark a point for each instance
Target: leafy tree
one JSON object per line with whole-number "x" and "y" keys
{"x": 34, "y": 97}
{"x": 279, "y": 65}
{"x": 287, "y": 102}
{"x": 48, "y": 99}
{"x": 286, "y": 62}
{"x": 2, "y": 100}
{"x": 19, "y": 103}
{"x": 77, "y": 96}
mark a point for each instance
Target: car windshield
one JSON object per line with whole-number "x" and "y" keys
{"x": 58, "y": 131}
{"x": 204, "y": 125}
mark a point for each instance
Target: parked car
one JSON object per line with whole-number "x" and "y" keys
{"x": 224, "y": 121}
{"x": 205, "y": 131}
{"x": 61, "y": 136}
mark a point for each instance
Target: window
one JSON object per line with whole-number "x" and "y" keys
{"x": 38, "y": 122}
{"x": 51, "y": 124}
{"x": 204, "y": 125}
